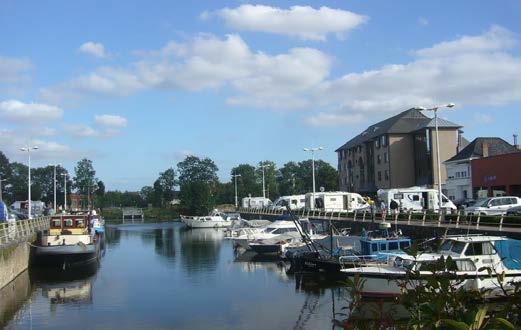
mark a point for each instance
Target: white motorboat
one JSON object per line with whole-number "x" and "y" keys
{"x": 270, "y": 231}
{"x": 216, "y": 219}
{"x": 477, "y": 262}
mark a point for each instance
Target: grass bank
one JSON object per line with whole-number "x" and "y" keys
{"x": 152, "y": 214}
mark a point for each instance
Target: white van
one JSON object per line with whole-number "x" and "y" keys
{"x": 414, "y": 199}
{"x": 493, "y": 205}
{"x": 295, "y": 202}
{"x": 255, "y": 202}
{"x": 335, "y": 201}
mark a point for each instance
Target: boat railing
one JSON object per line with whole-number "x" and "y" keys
{"x": 20, "y": 230}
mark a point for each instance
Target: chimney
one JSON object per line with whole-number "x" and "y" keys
{"x": 485, "y": 149}
{"x": 515, "y": 142}
{"x": 460, "y": 139}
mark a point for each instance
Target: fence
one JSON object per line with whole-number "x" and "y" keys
{"x": 21, "y": 229}
{"x": 426, "y": 218}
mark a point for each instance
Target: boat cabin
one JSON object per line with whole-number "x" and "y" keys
{"x": 69, "y": 225}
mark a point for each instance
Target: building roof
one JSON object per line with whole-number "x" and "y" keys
{"x": 496, "y": 146}
{"x": 405, "y": 122}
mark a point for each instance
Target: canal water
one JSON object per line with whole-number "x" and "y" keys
{"x": 162, "y": 276}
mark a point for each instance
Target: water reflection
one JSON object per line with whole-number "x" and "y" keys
{"x": 13, "y": 296}
{"x": 200, "y": 248}
{"x": 250, "y": 261}
{"x": 164, "y": 242}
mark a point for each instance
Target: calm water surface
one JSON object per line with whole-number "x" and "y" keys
{"x": 161, "y": 276}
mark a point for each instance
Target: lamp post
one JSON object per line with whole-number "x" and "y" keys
{"x": 28, "y": 150}
{"x": 236, "y": 200}
{"x": 263, "y": 185}
{"x": 435, "y": 109}
{"x": 64, "y": 191}
{"x": 312, "y": 150}
{"x": 1, "y": 180}
{"x": 54, "y": 181}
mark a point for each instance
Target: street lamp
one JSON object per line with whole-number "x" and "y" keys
{"x": 1, "y": 180}
{"x": 64, "y": 190}
{"x": 54, "y": 181}
{"x": 435, "y": 109}
{"x": 312, "y": 150}
{"x": 263, "y": 186}
{"x": 28, "y": 150}
{"x": 235, "y": 178}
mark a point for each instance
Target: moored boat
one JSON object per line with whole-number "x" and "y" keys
{"x": 472, "y": 263}
{"x": 68, "y": 242}
{"x": 215, "y": 219}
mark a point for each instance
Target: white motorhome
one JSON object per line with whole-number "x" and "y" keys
{"x": 295, "y": 202}
{"x": 255, "y": 202}
{"x": 335, "y": 201}
{"x": 414, "y": 199}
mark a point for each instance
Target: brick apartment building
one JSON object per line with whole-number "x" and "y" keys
{"x": 397, "y": 152}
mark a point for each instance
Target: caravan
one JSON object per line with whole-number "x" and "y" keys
{"x": 414, "y": 199}
{"x": 295, "y": 202}
{"x": 335, "y": 201}
{"x": 255, "y": 202}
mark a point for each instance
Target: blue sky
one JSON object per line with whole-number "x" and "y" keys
{"x": 136, "y": 86}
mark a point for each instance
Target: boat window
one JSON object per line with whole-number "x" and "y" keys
{"x": 465, "y": 265}
{"x": 68, "y": 223}
{"x": 374, "y": 247}
{"x": 404, "y": 245}
{"x": 446, "y": 246}
{"x": 383, "y": 246}
{"x": 427, "y": 266}
{"x": 294, "y": 201}
{"x": 479, "y": 248}
{"x": 458, "y": 247}
{"x": 79, "y": 222}
{"x": 56, "y": 223}
{"x": 393, "y": 245}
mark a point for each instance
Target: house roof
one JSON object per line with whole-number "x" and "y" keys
{"x": 496, "y": 146}
{"x": 405, "y": 122}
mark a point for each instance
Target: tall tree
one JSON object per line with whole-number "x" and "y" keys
{"x": 17, "y": 182}
{"x": 247, "y": 182}
{"x": 147, "y": 194}
{"x": 166, "y": 183}
{"x": 290, "y": 181}
{"x": 5, "y": 173}
{"x": 85, "y": 180}
{"x": 270, "y": 178}
{"x": 198, "y": 183}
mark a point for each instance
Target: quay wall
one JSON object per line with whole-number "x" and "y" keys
{"x": 14, "y": 259}
{"x": 413, "y": 230}
{"x": 13, "y": 296}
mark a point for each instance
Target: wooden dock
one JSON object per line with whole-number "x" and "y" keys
{"x": 133, "y": 214}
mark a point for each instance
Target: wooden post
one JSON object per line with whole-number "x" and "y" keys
{"x": 409, "y": 217}
{"x": 477, "y": 220}
{"x": 501, "y": 222}
{"x": 354, "y": 215}
{"x": 423, "y": 218}
{"x": 457, "y": 218}
{"x": 363, "y": 217}
{"x": 440, "y": 214}
{"x": 339, "y": 215}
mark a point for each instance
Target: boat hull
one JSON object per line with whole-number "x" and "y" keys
{"x": 196, "y": 223}
{"x": 265, "y": 248}
{"x": 65, "y": 256}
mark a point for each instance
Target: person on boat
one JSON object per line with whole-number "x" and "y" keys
{"x": 393, "y": 206}
{"x": 90, "y": 222}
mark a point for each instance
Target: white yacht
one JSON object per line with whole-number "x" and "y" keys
{"x": 216, "y": 219}
{"x": 478, "y": 260}
{"x": 273, "y": 229}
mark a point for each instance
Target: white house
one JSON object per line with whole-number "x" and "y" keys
{"x": 459, "y": 171}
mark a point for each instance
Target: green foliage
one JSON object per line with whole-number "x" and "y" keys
{"x": 85, "y": 181}
{"x": 247, "y": 182}
{"x": 198, "y": 185}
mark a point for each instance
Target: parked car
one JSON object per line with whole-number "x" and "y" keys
{"x": 493, "y": 205}
{"x": 514, "y": 211}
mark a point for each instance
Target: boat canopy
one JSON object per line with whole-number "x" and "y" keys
{"x": 510, "y": 252}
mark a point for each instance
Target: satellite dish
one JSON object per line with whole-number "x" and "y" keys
{"x": 322, "y": 189}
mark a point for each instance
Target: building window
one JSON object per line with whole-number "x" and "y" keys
{"x": 386, "y": 175}
{"x": 379, "y": 175}
{"x": 377, "y": 143}
{"x": 386, "y": 158}
{"x": 384, "y": 140}
{"x": 378, "y": 159}
{"x": 457, "y": 174}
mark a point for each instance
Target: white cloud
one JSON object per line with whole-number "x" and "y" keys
{"x": 423, "y": 21}
{"x": 334, "y": 119}
{"x": 483, "y": 118}
{"x": 11, "y": 143}
{"x": 303, "y": 22}
{"x": 14, "y": 70}
{"x": 111, "y": 121}
{"x": 207, "y": 62}
{"x": 495, "y": 39}
{"x": 81, "y": 131}
{"x": 20, "y": 112}
{"x": 93, "y": 48}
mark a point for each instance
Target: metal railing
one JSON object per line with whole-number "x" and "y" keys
{"x": 21, "y": 230}
{"x": 425, "y": 218}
